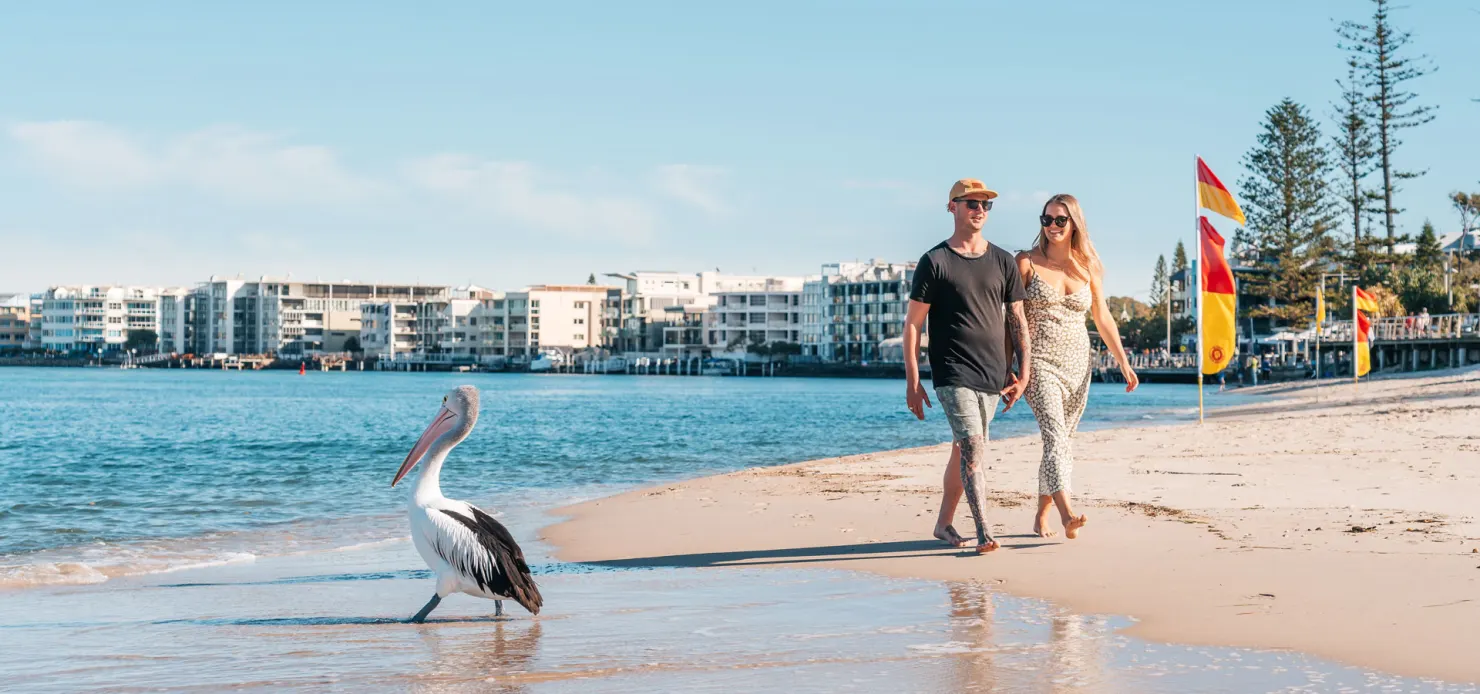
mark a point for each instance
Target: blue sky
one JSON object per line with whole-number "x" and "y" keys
{"x": 509, "y": 144}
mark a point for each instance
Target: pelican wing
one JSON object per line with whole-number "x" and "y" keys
{"x": 483, "y": 550}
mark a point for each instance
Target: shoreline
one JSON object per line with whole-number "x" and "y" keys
{"x": 1306, "y": 539}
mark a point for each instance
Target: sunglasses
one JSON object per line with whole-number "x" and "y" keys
{"x": 972, "y": 204}
{"x": 1059, "y": 221}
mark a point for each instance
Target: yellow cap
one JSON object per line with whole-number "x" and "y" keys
{"x": 971, "y": 188}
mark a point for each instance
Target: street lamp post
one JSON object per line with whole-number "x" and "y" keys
{"x": 1449, "y": 269}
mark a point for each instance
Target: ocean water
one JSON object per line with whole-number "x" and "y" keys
{"x": 198, "y": 531}
{"x": 112, "y": 472}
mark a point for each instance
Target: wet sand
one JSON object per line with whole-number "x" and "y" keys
{"x": 332, "y": 622}
{"x": 1335, "y": 521}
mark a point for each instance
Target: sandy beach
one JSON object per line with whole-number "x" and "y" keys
{"x": 1336, "y": 521}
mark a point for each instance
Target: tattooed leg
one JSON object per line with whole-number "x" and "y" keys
{"x": 974, "y": 479}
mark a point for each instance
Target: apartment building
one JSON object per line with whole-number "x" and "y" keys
{"x": 176, "y": 320}
{"x": 565, "y": 317}
{"x": 663, "y": 312}
{"x": 15, "y": 321}
{"x": 767, "y": 315}
{"x": 853, "y": 307}
{"x": 96, "y": 317}
{"x": 288, "y": 316}
{"x": 388, "y": 328}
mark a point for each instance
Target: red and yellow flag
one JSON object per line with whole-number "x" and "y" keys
{"x": 1213, "y": 195}
{"x": 1364, "y": 343}
{"x": 1366, "y": 302}
{"x": 1218, "y": 300}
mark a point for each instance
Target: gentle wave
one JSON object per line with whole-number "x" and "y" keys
{"x": 66, "y": 573}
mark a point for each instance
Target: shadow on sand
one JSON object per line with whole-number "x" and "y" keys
{"x": 328, "y": 621}
{"x": 812, "y": 555}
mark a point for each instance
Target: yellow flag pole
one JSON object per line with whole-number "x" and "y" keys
{"x": 1320, "y": 314}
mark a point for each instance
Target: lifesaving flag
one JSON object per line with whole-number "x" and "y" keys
{"x": 1320, "y": 305}
{"x": 1364, "y": 344}
{"x": 1218, "y": 299}
{"x": 1365, "y": 302}
{"x": 1213, "y": 195}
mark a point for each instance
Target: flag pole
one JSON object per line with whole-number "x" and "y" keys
{"x": 1356, "y": 341}
{"x": 1197, "y": 268}
{"x": 1320, "y": 313}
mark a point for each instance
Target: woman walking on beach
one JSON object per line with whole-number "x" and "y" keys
{"x": 1063, "y": 278}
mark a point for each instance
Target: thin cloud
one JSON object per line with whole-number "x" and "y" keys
{"x": 695, "y": 185}
{"x": 225, "y": 161}
{"x": 515, "y": 190}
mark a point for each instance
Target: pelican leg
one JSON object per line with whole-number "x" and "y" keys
{"x": 498, "y": 608}
{"x": 426, "y": 610}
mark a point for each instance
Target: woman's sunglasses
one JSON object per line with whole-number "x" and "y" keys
{"x": 1059, "y": 221}
{"x": 975, "y": 204}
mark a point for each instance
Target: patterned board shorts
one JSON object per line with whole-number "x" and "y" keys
{"x": 969, "y": 411}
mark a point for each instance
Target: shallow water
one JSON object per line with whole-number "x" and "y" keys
{"x": 330, "y": 621}
{"x": 112, "y": 472}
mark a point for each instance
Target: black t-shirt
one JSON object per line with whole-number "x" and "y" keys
{"x": 968, "y": 298}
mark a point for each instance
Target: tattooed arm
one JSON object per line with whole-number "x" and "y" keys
{"x": 1017, "y": 319}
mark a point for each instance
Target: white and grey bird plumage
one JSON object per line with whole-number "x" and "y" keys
{"x": 463, "y": 545}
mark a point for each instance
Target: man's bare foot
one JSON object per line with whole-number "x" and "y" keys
{"x": 990, "y": 546}
{"x": 1040, "y": 526}
{"x": 949, "y": 536}
{"x": 1072, "y": 526}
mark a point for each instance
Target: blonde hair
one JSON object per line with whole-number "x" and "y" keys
{"x": 1081, "y": 250}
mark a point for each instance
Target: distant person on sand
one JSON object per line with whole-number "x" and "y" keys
{"x": 968, "y": 288}
{"x": 1063, "y": 278}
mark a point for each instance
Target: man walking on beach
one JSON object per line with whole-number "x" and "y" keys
{"x": 967, "y": 287}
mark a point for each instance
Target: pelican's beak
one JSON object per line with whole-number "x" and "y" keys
{"x": 444, "y": 422}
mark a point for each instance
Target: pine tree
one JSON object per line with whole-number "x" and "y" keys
{"x": 1420, "y": 284}
{"x": 1375, "y": 50}
{"x": 1355, "y": 149}
{"x": 1159, "y": 281}
{"x": 1291, "y": 211}
{"x": 591, "y": 279}
{"x": 1427, "y": 253}
{"x": 1179, "y": 259}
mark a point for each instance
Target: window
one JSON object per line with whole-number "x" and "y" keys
{"x": 580, "y": 321}
{"x": 580, "y": 304}
{"x": 579, "y": 336}
{"x": 534, "y": 303}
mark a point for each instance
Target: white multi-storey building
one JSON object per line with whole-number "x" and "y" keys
{"x": 176, "y": 320}
{"x": 388, "y": 328}
{"x": 96, "y": 318}
{"x": 853, "y": 307}
{"x": 518, "y": 325}
{"x": 294, "y": 317}
{"x": 663, "y": 312}
{"x": 766, "y": 315}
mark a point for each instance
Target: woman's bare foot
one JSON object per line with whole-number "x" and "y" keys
{"x": 990, "y": 546}
{"x": 949, "y": 536}
{"x": 1040, "y": 525}
{"x": 1072, "y": 526}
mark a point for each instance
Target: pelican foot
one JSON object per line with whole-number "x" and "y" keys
{"x": 426, "y": 610}
{"x": 498, "y": 608}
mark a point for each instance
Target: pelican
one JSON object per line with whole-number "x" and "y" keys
{"x": 466, "y": 548}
